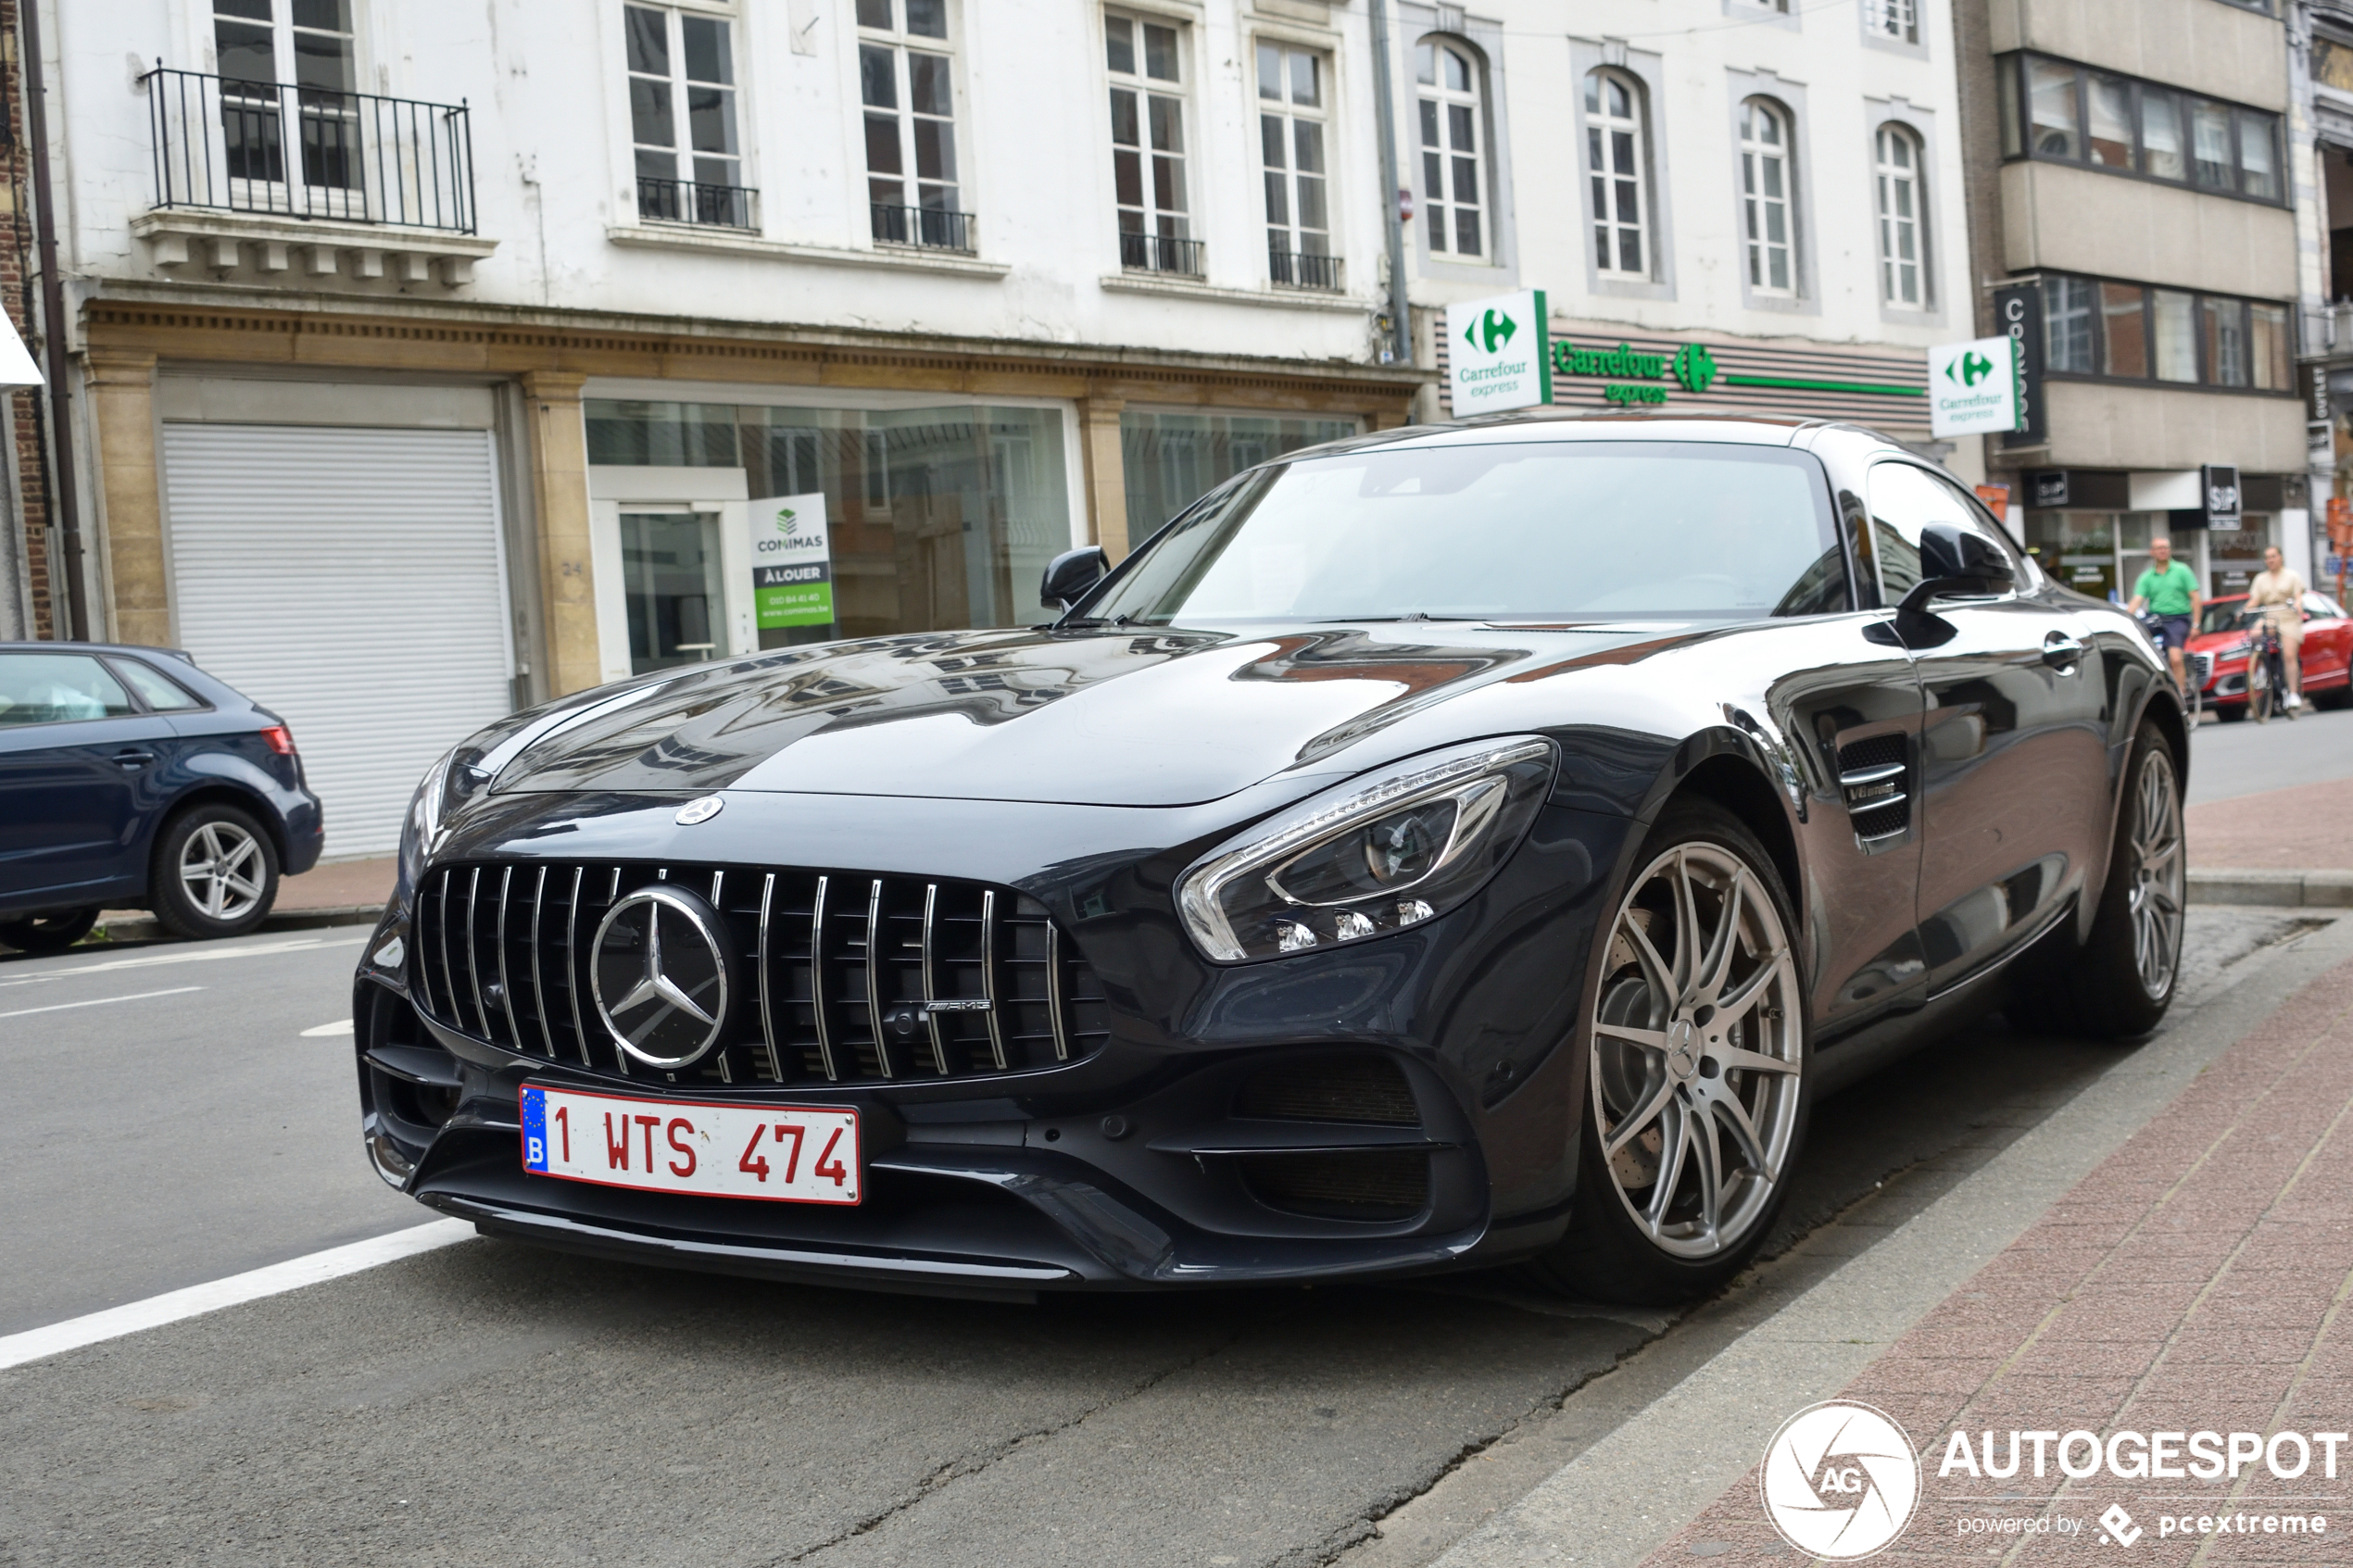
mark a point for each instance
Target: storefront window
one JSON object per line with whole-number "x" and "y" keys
{"x": 2076, "y": 548}
{"x": 2234, "y": 556}
{"x": 1172, "y": 460}
{"x": 940, "y": 518}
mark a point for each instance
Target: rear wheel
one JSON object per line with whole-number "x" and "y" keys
{"x": 1695, "y": 1104}
{"x": 215, "y": 874}
{"x": 48, "y": 934}
{"x": 2120, "y": 983}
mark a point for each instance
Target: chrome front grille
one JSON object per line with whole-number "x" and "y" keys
{"x": 852, "y": 978}
{"x": 2201, "y": 670}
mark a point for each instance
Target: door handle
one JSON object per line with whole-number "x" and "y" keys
{"x": 133, "y": 758}
{"x": 2062, "y": 652}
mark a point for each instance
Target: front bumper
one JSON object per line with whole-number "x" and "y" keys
{"x": 1155, "y": 1159}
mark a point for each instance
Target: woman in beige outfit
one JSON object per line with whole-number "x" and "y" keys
{"x": 2279, "y": 592}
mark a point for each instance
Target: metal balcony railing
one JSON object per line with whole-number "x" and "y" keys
{"x": 928, "y": 227}
{"x": 1302, "y": 269}
{"x": 684, "y": 201}
{"x": 1159, "y": 253}
{"x": 231, "y": 145}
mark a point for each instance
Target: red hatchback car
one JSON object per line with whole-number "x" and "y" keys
{"x": 2218, "y": 653}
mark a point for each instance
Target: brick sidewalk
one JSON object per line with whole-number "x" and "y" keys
{"x": 2194, "y": 1281}
{"x": 2307, "y": 828}
{"x": 341, "y": 884}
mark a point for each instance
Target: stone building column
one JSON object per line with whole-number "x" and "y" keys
{"x": 1106, "y": 469}
{"x": 121, "y": 384}
{"x": 560, "y": 493}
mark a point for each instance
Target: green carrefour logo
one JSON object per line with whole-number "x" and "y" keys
{"x": 1695, "y": 367}
{"x": 1494, "y": 326}
{"x": 1968, "y": 368}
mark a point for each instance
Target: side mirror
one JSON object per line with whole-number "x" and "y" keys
{"x": 1952, "y": 561}
{"x": 1070, "y": 575}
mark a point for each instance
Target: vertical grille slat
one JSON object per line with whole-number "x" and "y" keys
{"x": 837, "y": 984}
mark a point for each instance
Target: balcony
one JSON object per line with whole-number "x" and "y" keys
{"x": 1160, "y": 253}
{"x": 923, "y": 227}
{"x": 253, "y": 173}
{"x": 1303, "y": 269}
{"x": 708, "y": 207}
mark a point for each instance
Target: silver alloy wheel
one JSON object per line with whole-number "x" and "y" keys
{"x": 222, "y": 869}
{"x": 1698, "y": 1048}
{"x": 2159, "y": 873}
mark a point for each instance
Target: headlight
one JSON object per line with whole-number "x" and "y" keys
{"x": 1370, "y": 858}
{"x": 447, "y": 781}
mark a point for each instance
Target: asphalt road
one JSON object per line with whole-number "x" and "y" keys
{"x": 2228, "y": 761}
{"x": 489, "y": 1403}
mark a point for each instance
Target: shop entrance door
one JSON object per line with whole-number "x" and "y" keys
{"x": 670, "y": 585}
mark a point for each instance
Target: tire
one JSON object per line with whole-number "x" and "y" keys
{"x": 214, "y": 874}
{"x": 2119, "y": 984}
{"x": 48, "y": 934}
{"x": 1653, "y": 1226}
{"x": 2235, "y": 714}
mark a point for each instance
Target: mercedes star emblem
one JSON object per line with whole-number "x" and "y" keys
{"x": 659, "y": 969}
{"x": 701, "y": 810}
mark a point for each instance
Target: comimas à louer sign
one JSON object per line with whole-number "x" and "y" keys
{"x": 792, "y": 562}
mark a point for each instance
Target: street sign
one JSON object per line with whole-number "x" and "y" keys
{"x": 792, "y": 562}
{"x": 1499, "y": 354}
{"x": 2019, "y": 312}
{"x": 1973, "y": 388}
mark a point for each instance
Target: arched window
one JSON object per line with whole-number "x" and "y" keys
{"x": 1450, "y": 118}
{"x": 1901, "y": 275}
{"x": 1615, "y": 158}
{"x": 1768, "y": 198}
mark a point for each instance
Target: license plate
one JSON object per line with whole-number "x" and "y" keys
{"x": 783, "y": 1153}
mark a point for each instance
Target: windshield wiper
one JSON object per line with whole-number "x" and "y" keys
{"x": 1089, "y": 623}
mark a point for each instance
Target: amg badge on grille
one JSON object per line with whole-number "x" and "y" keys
{"x": 659, "y": 969}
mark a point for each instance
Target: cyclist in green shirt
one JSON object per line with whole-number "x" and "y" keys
{"x": 2168, "y": 591}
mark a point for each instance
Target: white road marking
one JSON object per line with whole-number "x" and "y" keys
{"x": 200, "y": 955}
{"x": 197, "y": 1299}
{"x": 100, "y": 1001}
{"x": 340, "y": 1026}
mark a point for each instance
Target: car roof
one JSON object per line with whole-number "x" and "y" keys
{"x": 183, "y": 655}
{"x": 1577, "y": 424}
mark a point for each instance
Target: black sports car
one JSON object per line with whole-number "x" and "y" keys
{"x": 1444, "y": 847}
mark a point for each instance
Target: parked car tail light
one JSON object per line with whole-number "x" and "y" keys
{"x": 280, "y": 739}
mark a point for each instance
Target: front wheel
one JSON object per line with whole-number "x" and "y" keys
{"x": 1696, "y": 1100}
{"x": 48, "y": 934}
{"x": 2120, "y": 983}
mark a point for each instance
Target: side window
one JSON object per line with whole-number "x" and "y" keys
{"x": 54, "y": 688}
{"x": 155, "y": 689}
{"x": 2320, "y": 608}
{"x": 1904, "y": 502}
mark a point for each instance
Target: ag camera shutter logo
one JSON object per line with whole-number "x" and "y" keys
{"x": 1841, "y": 1480}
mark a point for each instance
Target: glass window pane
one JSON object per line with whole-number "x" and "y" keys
{"x": 1430, "y": 124}
{"x": 1426, "y": 65}
{"x": 55, "y": 688}
{"x": 2050, "y": 91}
{"x": 928, "y": 85}
{"x": 1462, "y": 128}
{"x": 1272, "y": 144}
{"x": 2124, "y": 330}
{"x": 159, "y": 692}
{"x": 882, "y": 146}
{"x": 1310, "y": 212}
{"x": 1119, "y": 44}
{"x": 333, "y": 15}
{"x": 1466, "y": 242}
{"x": 1306, "y": 79}
{"x": 1307, "y": 140}
{"x": 648, "y": 35}
{"x": 2270, "y": 350}
{"x": 2259, "y": 157}
{"x": 2210, "y": 139}
{"x": 2067, "y": 325}
{"x": 324, "y": 60}
{"x": 2012, "y": 144}
{"x": 1124, "y": 123}
{"x": 244, "y": 53}
{"x": 874, "y": 13}
{"x": 2223, "y": 321}
{"x": 2111, "y": 132}
{"x": 2175, "y": 334}
{"x": 1160, "y": 52}
{"x": 650, "y": 117}
{"x": 927, "y": 19}
{"x": 878, "y": 76}
{"x": 710, "y": 119}
{"x": 1458, "y": 70}
{"x": 1127, "y": 178}
{"x": 1270, "y": 71}
{"x": 2161, "y": 135}
{"x": 708, "y": 58}
{"x": 1169, "y": 125}
{"x": 935, "y": 150}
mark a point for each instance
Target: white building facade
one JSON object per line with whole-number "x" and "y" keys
{"x": 428, "y": 359}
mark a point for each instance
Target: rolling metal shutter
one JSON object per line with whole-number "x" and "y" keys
{"x": 353, "y": 582}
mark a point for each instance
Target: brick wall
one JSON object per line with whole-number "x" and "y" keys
{"x": 29, "y": 423}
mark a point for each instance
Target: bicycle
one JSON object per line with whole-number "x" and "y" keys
{"x": 2192, "y": 688}
{"x": 2266, "y": 671}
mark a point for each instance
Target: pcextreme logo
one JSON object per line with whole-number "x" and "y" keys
{"x": 1495, "y": 327}
{"x": 1841, "y": 1480}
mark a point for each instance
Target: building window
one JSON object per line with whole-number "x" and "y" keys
{"x": 269, "y": 52}
{"x": 1172, "y": 460}
{"x": 2128, "y": 332}
{"x": 1146, "y": 62}
{"x": 2059, "y": 112}
{"x": 1616, "y": 159}
{"x": 682, "y": 118}
{"x": 1292, "y": 99}
{"x": 1898, "y": 19}
{"x": 1902, "y": 269}
{"x": 1451, "y": 122}
{"x": 906, "y": 78}
{"x": 1766, "y": 198}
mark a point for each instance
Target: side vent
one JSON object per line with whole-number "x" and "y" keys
{"x": 1875, "y": 777}
{"x": 1370, "y": 1187}
{"x": 1360, "y": 1088}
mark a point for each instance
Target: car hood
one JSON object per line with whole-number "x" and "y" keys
{"x": 1158, "y": 717}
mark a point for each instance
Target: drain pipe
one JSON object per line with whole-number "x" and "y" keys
{"x": 53, "y": 328}
{"x": 1400, "y": 331}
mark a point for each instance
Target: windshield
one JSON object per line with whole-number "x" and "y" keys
{"x": 1531, "y": 530}
{"x": 2224, "y": 616}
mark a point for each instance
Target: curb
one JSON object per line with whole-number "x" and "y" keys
{"x": 2308, "y": 889}
{"x": 139, "y": 926}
